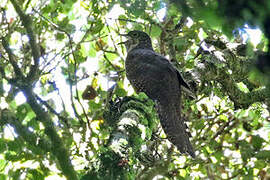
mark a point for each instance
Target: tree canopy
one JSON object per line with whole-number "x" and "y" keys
{"x": 67, "y": 110}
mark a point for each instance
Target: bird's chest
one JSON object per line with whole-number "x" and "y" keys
{"x": 134, "y": 67}
{"x": 139, "y": 62}
{"x": 138, "y": 71}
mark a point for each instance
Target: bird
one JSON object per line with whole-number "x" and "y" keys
{"x": 153, "y": 74}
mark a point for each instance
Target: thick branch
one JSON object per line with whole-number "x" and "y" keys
{"x": 240, "y": 98}
{"x": 136, "y": 118}
{"x": 120, "y": 137}
{"x": 58, "y": 148}
{"x": 27, "y": 23}
{"x": 134, "y": 114}
{"x": 215, "y": 69}
{"x": 13, "y": 62}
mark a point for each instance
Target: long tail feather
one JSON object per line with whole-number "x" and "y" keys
{"x": 174, "y": 127}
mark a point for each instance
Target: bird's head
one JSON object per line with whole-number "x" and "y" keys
{"x": 137, "y": 39}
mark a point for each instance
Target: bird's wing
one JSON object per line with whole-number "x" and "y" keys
{"x": 182, "y": 81}
{"x": 159, "y": 58}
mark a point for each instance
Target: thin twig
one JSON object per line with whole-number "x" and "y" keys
{"x": 53, "y": 111}
{"x": 76, "y": 87}
{"x": 75, "y": 70}
{"x": 126, "y": 20}
{"x": 111, "y": 64}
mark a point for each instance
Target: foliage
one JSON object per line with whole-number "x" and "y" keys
{"x": 66, "y": 108}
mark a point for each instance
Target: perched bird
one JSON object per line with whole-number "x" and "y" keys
{"x": 153, "y": 74}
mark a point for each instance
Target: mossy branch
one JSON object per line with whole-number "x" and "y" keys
{"x": 212, "y": 68}
{"x": 128, "y": 127}
{"x": 133, "y": 121}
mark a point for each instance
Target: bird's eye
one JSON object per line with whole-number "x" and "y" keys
{"x": 135, "y": 34}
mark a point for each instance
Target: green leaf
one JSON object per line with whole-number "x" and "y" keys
{"x": 223, "y": 117}
{"x": 14, "y": 145}
{"x": 92, "y": 50}
{"x": 199, "y": 125}
{"x": 70, "y": 28}
{"x": 214, "y": 144}
{"x": 137, "y": 8}
{"x": 242, "y": 87}
{"x": 3, "y": 177}
{"x": 190, "y": 63}
{"x": 2, "y": 145}
{"x": 246, "y": 150}
{"x": 122, "y": 19}
{"x": 15, "y": 174}
{"x": 93, "y": 105}
{"x": 155, "y": 31}
{"x": 218, "y": 155}
{"x": 264, "y": 155}
{"x": 35, "y": 174}
{"x": 79, "y": 57}
{"x": 97, "y": 27}
{"x": 257, "y": 142}
{"x": 260, "y": 164}
{"x": 139, "y": 27}
{"x": 120, "y": 92}
{"x": 173, "y": 11}
{"x": 3, "y": 164}
{"x": 33, "y": 123}
{"x": 60, "y": 36}
{"x": 180, "y": 43}
{"x": 211, "y": 17}
{"x": 13, "y": 157}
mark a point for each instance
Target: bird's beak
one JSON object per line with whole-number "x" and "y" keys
{"x": 123, "y": 35}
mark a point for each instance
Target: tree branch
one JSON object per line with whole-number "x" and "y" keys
{"x": 58, "y": 148}
{"x": 17, "y": 70}
{"x": 215, "y": 69}
{"x": 27, "y": 23}
{"x": 64, "y": 120}
{"x": 159, "y": 168}
{"x": 127, "y": 134}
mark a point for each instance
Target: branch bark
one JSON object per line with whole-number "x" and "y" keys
{"x": 17, "y": 70}
{"x": 58, "y": 148}
{"x": 133, "y": 115}
{"x": 28, "y": 24}
{"x": 128, "y": 134}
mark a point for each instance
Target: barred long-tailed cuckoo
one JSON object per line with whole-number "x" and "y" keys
{"x": 153, "y": 74}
